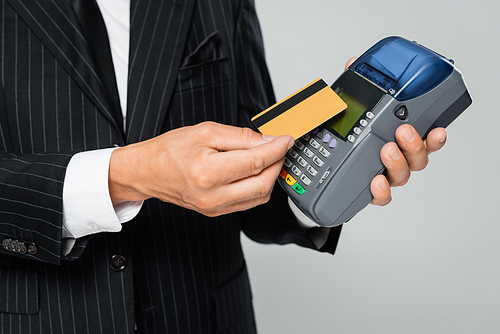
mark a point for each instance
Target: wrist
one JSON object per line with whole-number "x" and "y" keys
{"x": 124, "y": 176}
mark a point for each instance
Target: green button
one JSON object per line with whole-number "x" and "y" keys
{"x": 298, "y": 188}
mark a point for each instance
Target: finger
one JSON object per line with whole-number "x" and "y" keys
{"x": 245, "y": 195}
{"x": 222, "y": 137}
{"x": 397, "y": 169}
{"x": 435, "y": 140}
{"x": 235, "y": 165}
{"x": 412, "y": 146}
{"x": 242, "y": 194}
{"x": 350, "y": 61}
{"x": 381, "y": 191}
{"x": 257, "y": 187}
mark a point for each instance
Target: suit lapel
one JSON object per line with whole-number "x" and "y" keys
{"x": 55, "y": 23}
{"x": 158, "y": 32}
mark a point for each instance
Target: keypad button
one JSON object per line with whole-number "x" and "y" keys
{"x": 370, "y": 115}
{"x": 314, "y": 143}
{"x": 311, "y": 170}
{"x": 307, "y": 181}
{"x": 308, "y": 153}
{"x": 351, "y": 138}
{"x": 288, "y": 163}
{"x": 293, "y": 153}
{"x": 306, "y": 137}
{"x": 357, "y": 130}
{"x": 290, "y": 180}
{"x": 302, "y": 161}
{"x": 401, "y": 113}
{"x": 333, "y": 143}
{"x": 315, "y": 131}
{"x": 327, "y": 138}
{"x": 298, "y": 189}
{"x": 299, "y": 144}
{"x": 296, "y": 170}
{"x": 318, "y": 161}
{"x": 319, "y": 135}
{"x": 283, "y": 173}
{"x": 363, "y": 122}
{"x": 324, "y": 152}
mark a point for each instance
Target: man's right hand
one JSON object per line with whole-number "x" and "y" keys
{"x": 211, "y": 168}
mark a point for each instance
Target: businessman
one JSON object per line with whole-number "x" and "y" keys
{"x": 124, "y": 186}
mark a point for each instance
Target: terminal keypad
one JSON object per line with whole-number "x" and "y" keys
{"x": 304, "y": 160}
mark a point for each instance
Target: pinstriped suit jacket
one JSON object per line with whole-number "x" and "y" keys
{"x": 190, "y": 61}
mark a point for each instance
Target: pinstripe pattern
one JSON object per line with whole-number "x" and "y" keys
{"x": 185, "y": 272}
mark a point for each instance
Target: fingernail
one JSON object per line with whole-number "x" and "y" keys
{"x": 290, "y": 144}
{"x": 442, "y": 140}
{"x": 409, "y": 135}
{"x": 382, "y": 185}
{"x": 268, "y": 137}
{"x": 394, "y": 154}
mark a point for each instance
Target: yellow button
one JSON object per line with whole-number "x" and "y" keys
{"x": 290, "y": 180}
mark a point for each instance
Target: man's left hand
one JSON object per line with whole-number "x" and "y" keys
{"x": 411, "y": 153}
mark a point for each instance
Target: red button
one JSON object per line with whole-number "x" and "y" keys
{"x": 283, "y": 173}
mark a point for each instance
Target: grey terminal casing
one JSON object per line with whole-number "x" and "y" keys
{"x": 327, "y": 174}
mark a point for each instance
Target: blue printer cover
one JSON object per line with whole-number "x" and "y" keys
{"x": 405, "y": 69}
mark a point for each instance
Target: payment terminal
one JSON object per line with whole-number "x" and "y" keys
{"x": 327, "y": 174}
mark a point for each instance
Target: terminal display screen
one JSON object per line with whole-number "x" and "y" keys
{"x": 360, "y": 95}
{"x": 344, "y": 122}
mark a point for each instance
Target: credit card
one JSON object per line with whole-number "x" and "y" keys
{"x": 300, "y": 112}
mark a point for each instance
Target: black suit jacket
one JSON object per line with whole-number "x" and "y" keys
{"x": 190, "y": 61}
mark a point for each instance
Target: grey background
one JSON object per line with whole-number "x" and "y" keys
{"x": 430, "y": 261}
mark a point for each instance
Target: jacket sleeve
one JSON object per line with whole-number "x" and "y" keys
{"x": 31, "y": 205}
{"x": 31, "y": 190}
{"x": 46, "y": 116}
{"x": 273, "y": 222}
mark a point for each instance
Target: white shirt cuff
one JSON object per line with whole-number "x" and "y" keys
{"x": 87, "y": 206}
